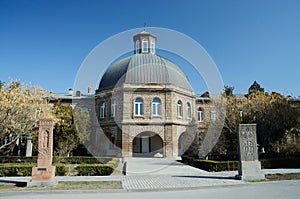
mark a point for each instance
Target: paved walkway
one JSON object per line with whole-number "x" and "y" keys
{"x": 161, "y": 174}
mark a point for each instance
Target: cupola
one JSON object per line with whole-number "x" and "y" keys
{"x": 144, "y": 43}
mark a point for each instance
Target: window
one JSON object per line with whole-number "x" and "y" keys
{"x": 113, "y": 108}
{"x": 200, "y": 115}
{"x": 156, "y": 107}
{"x": 152, "y": 47}
{"x": 145, "y": 46}
{"x": 102, "y": 110}
{"x": 188, "y": 110}
{"x": 213, "y": 115}
{"x": 138, "y": 107}
{"x": 137, "y": 46}
{"x": 179, "y": 108}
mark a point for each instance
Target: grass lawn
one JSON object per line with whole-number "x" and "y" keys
{"x": 288, "y": 176}
{"x": 64, "y": 186}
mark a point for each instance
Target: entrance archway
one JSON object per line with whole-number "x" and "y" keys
{"x": 147, "y": 144}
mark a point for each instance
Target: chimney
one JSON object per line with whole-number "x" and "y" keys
{"x": 78, "y": 94}
{"x": 90, "y": 90}
{"x": 70, "y": 92}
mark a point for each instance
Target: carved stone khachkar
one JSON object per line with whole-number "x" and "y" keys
{"x": 249, "y": 167}
{"x": 44, "y": 173}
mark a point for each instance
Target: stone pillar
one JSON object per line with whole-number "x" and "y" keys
{"x": 249, "y": 168}
{"x": 168, "y": 141}
{"x": 44, "y": 173}
{"x": 29, "y": 147}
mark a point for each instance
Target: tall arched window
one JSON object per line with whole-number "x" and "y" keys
{"x": 113, "y": 108}
{"x": 152, "y": 47}
{"x": 200, "y": 115}
{"x": 102, "y": 110}
{"x": 188, "y": 110}
{"x": 156, "y": 107}
{"x": 144, "y": 45}
{"x": 179, "y": 108}
{"x": 138, "y": 107}
{"x": 137, "y": 46}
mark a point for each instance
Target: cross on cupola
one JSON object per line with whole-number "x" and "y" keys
{"x": 144, "y": 43}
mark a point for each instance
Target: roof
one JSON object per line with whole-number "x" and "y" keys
{"x": 144, "y": 69}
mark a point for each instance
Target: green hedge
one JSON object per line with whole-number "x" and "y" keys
{"x": 210, "y": 165}
{"x": 114, "y": 162}
{"x": 81, "y": 160}
{"x": 97, "y": 169}
{"x": 17, "y": 159}
{"x": 278, "y": 163}
{"x": 57, "y": 159}
{"x": 19, "y": 170}
{"x": 26, "y": 169}
{"x": 94, "y": 170}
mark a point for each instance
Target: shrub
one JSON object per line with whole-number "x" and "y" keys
{"x": 114, "y": 162}
{"x": 17, "y": 159}
{"x": 60, "y": 170}
{"x": 94, "y": 170}
{"x": 26, "y": 169}
{"x": 57, "y": 159}
{"x": 81, "y": 160}
{"x": 277, "y": 163}
{"x": 15, "y": 170}
{"x": 211, "y": 165}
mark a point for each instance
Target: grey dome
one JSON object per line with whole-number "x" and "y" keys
{"x": 144, "y": 69}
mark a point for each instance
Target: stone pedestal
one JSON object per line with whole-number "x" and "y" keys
{"x": 249, "y": 167}
{"x": 44, "y": 173}
{"x": 250, "y": 170}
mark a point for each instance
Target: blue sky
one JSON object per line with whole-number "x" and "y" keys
{"x": 45, "y": 42}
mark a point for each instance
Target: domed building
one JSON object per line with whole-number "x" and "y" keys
{"x": 145, "y": 104}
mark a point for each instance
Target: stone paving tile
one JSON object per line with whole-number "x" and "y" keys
{"x": 175, "y": 182}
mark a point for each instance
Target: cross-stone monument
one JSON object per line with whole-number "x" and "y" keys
{"x": 249, "y": 167}
{"x": 44, "y": 173}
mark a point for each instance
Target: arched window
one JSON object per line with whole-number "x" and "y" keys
{"x": 188, "y": 110}
{"x": 144, "y": 45}
{"x": 152, "y": 47}
{"x": 137, "y": 46}
{"x": 113, "y": 108}
{"x": 102, "y": 110}
{"x": 156, "y": 107}
{"x": 179, "y": 108}
{"x": 200, "y": 115}
{"x": 138, "y": 107}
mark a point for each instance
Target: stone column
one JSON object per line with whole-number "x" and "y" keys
{"x": 249, "y": 167}
{"x": 44, "y": 173}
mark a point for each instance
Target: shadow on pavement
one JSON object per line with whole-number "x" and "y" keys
{"x": 17, "y": 183}
{"x": 206, "y": 177}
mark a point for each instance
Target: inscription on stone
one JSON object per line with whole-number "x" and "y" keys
{"x": 247, "y": 142}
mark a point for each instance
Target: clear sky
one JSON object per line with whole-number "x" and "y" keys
{"x": 45, "y": 42}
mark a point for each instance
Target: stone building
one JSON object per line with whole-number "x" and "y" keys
{"x": 146, "y": 107}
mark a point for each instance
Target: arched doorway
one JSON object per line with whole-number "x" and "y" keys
{"x": 147, "y": 144}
